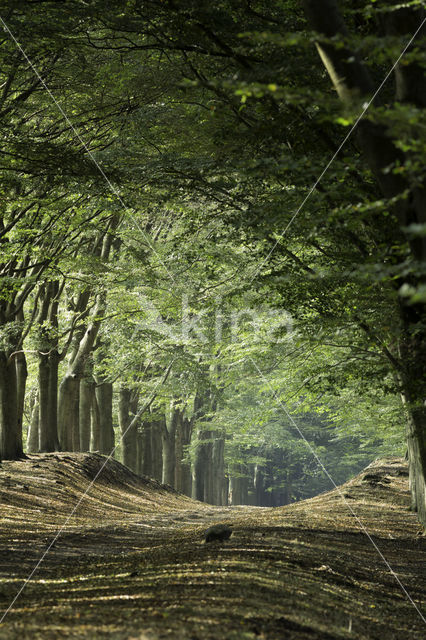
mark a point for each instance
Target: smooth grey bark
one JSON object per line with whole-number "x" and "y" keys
{"x": 218, "y": 468}
{"x": 168, "y": 438}
{"x": 186, "y": 478}
{"x": 156, "y": 449}
{"x": 145, "y": 450}
{"x": 238, "y": 486}
{"x": 225, "y": 491}
{"x": 208, "y": 466}
{"x": 139, "y": 452}
{"x": 251, "y": 498}
{"x": 136, "y": 425}
{"x": 259, "y": 485}
{"x": 415, "y": 457}
{"x": 12, "y": 389}
{"x": 103, "y": 393}
{"x": 86, "y": 399}
{"x": 13, "y": 375}
{"x": 48, "y": 356}
{"x": 197, "y": 492}
{"x": 131, "y": 447}
{"x": 68, "y": 415}
{"x": 352, "y": 81}
{"x": 183, "y": 478}
{"x": 234, "y": 491}
{"x": 32, "y": 435}
{"x": 288, "y": 489}
{"x": 49, "y": 439}
{"x": 95, "y": 432}
{"x": 10, "y": 449}
{"x": 202, "y": 469}
{"x": 179, "y": 453}
{"x": 21, "y": 380}
{"x": 48, "y": 394}
{"x": 43, "y": 386}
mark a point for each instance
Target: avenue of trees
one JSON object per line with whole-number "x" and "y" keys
{"x": 180, "y": 278}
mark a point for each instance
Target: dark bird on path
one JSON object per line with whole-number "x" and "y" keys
{"x": 218, "y": 533}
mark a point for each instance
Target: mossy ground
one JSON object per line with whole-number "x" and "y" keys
{"x": 131, "y": 562}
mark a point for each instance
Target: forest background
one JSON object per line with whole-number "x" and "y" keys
{"x": 203, "y": 263}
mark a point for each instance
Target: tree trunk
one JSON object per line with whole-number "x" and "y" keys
{"x": 238, "y": 485}
{"x": 32, "y": 436}
{"x": 139, "y": 452}
{"x": 179, "y": 453}
{"x": 168, "y": 437}
{"x": 208, "y": 467}
{"x": 251, "y": 496}
{"x": 413, "y": 376}
{"x": 43, "y": 394}
{"x": 21, "y": 380}
{"x": 259, "y": 487}
{"x": 186, "y": 485}
{"x": 10, "y": 448}
{"x": 95, "y": 434}
{"x": 234, "y": 491}
{"x": 48, "y": 398}
{"x": 104, "y": 397}
{"x": 183, "y": 467}
{"x": 48, "y": 357}
{"x": 52, "y": 412}
{"x": 69, "y": 428}
{"x": 414, "y": 461}
{"x": 225, "y": 491}
{"x": 202, "y": 470}
{"x": 218, "y": 468}
{"x": 145, "y": 451}
{"x": 198, "y": 468}
{"x": 87, "y": 392}
{"x": 156, "y": 449}
{"x": 129, "y": 436}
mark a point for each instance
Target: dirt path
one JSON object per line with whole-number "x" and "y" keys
{"x": 131, "y": 562}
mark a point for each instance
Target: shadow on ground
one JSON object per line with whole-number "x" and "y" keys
{"x": 131, "y": 562}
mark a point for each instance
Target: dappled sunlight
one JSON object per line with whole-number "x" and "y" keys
{"x": 147, "y": 570}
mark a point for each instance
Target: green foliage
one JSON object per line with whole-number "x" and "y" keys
{"x": 211, "y": 122}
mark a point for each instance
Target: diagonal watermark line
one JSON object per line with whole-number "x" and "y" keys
{"x": 347, "y": 504}
{"x": 80, "y": 500}
{"x": 112, "y": 187}
{"x": 366, "y": 106}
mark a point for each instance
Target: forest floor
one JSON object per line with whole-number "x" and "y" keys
{"x": 131, "y": 562}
